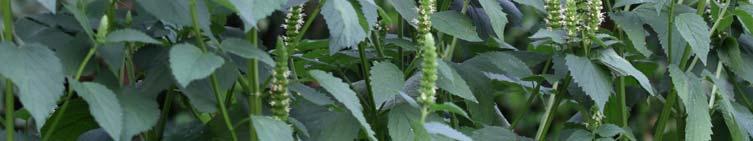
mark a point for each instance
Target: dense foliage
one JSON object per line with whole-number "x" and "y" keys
{"x": 331, "y": 70}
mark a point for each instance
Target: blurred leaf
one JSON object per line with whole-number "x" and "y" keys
{"x": 693, "y": 97}
{"x": 189, "y": 63}
{"x": 105, "y": 107}
{"x": 497, "y": 17}
{"x": 495, "y": 133}
{"x": 593, "y": 80}
{"x": 172, "y": 11}
{"x": 200, "y": 92}
{"x": 246, "y": 50}
{"x": 407, "y": 10}
{"x": 344, "y": 95}
{"x": 621, "y": 3}
{"x": 130, "y": 35}
{"x": 251, "y": 11}
{"x": 608, "y": 130}
{"x": 37, "y": 74}
{"x": 386, "y": 81}
{"x": 400, "y": 119}
{"x": 51, "y": 5}
{"x": 611, "y": 59}
{"x": 74, "y": 122}
{"x": 444, "y": 130}
{"x": 695, "y": 31}
{"x": 455, "y": 85}
{"x": 580, "y": 135}
{"x": 633, "y": 27}
{"x": 735, "y": 60}
{"x": 537, "y": 4}
{"x": 455, "y": 24}
{"x": 140, "y": 113}
{"x": 369, "y": 10}
{"x": 342, "y": 21}
{"x": 273, "y": 129}
{"x": 449, "y": 107}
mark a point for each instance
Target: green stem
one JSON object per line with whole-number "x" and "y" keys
{"x": 7, "y": 20}
{"x": 166, "y": 107}
{"x": 664, "y": 116}
{"x": 196, "y": 29}
{"x": 221, "y": 105}
{"x": 621, "y": 100}
{"x": 714, "y": 89}
{"x": 551, "y": 109}
{"x": 69, "y": 93}
{"x": 9, "y": 118}
{"x": 254, "y": 93}
{"x": 310, "y": 20}
{"x": 533, "y": 96}
{"x": 371, "y": 110}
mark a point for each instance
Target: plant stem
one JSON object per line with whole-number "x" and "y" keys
{"x": 533, "y": 96}
{"x": 714, "y": 89}
{"x": 310, "y": 20}
{"x": 254, "y": 93}
{"x": 371, "y": 109}
{"x": 221, "y": 105}
{"x": 9, "y": 109}
{"x": 551, "y": 109}
{"x": 621, "y": 101}
{"x": 166, "y": 107}
{"x": 671, "y": 96}
{"x": 7, "y": 20}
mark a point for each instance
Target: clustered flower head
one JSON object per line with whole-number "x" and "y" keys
{"x": 425, "y": 10}
{"x": 428, "y": 53}
{"x": 572, "y": 19}
{"x": 293, "y": 23}
{"x": 592, "y": 16}
{"x": 596, "y": 119}
{"x": 279, "y": 89}
{"x": 555, "y": 14}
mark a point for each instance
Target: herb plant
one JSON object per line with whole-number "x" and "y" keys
{"x": 331, "y": 70}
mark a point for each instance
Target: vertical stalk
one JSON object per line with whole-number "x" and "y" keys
{"x": 671, "y": 96}
{"x": 166, "y": 107}
{"x": 621, "y": 101}
{"x": 213, "y": 77}
{"x": 551, "y": 109}
{"x": 254, "y": 93}
{"x": 9, "y": 101}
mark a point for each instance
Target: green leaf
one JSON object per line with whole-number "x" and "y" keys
{"x": 104, "y": 106}
{"x": 200, "y": 92}
{"x": 343, "y": 94}
{"x": 744, "y": 118}
{"x": 611, "y": 59}
{"x": 693, "y": 96}
{"x": 37, "y": 74}
{"x": 743, "y": 14}
{"x": 273, "y": 129}
{"x": 400, "y": 119}
{"x": 507, "y": 63}
{"x": 455, "y": 84}
{"x": 455, "y": 24}
{"x": 537, "y": 4}
{"x": 407, "y": 9}
{"x": 74, "y": 122}
{"x": 449, "y": 107}
{"x": 344, "y": 28}
{"x": 83, "y": 20}
{"x": 727, "y": 107}
{"x": 633, "y": 27}
{"x": 140, "y": 113}
{"x": 188, "y": 63}
{"x": 496, "y": 16}
{"x": 579, "y": 135}
{"x": 660, "y": 26}
{"x": 369, "y": 10}
{"x": 311, "y": 94}
{"x": 130, "y": 35}
{"x": 593, "y": 80}
{"x": 246, "y": 50}
{"x": 736, "y": 61}
{"x": 324, "y": 124}
{"x": 114, "y": 55}
{"x": 608, "y": 130}
{"x": 386, "y": 81}
{"x": 51, "y": 5}
{"x": 695, "y": 31}
{"x": 173, "y": 11}
{"x": 444, "y": 130}
{"x": 251, "y": 11}
{"x": 495, "y": 133}
{"x": 621, "y": 3}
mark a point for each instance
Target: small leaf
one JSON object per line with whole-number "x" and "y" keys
{"x": 608, "y": 130}
{"x": 130, "y": 35}
{"x": 633, "y": 27}
{"x": 344, "y": 28}
{"x": 594, "y": 81}
{"x": 273, "y": 129}
{"x": 611, "y": 59}
{"x": 386, "y": 81}
{"x": 444, "y": 130}
{"x": 251, "y": 11}
{"x": 694, "y": 30}
{"x": 188, "y": 63}
{"x": 246, "y": 50}
{"x": 38, "y": 75}
{"x": 140, "y": 113}
{"x": 104, "y": 106}
{"x": 693, "y": 96}
{"x": 449, "y": 107}
{"x": 455, "y": 24}
{"x": 344, "y": 95}
{"x": 496, "y": 16}
{"x": 407, "y": 9}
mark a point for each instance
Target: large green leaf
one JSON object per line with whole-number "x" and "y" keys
{"x": 455, "y": 24}
{"x": 691, "y": 92}
{"x": 344, "y": 27}
{"x": 406, "y": 8}
{"x": 695, "y": 31}
{"x": 140, "y": 113}
{"x": 325, "y": 124}
{"x": 727, "y": 107}
{"x": 344, "y": 95}
{"x": 369, "y": 10}
{"x": 447, "y": 131}
{"x": 386, "y": 81}
{"x": 38, "y": 75}
{"x": 272, "y": 129}
{"x": 130, "y": 35}
{"x": 633, "y": 27}
{"x": 611, "y": 59}
{"x": 452, "y": 82}
{"x": 74, "y": 122}
{"x": 246, "y": 50}
{"x": 648, "y": 15}
{"x": 399, "y": 122}
{"x": 593, "y": 80}
{"x": 188, "y": 63}
{"x": 103, "y": 105}
{"x": 251, "y": 11}
{"x": 496, "y": 16}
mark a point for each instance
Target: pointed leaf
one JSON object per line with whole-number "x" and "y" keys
{"x": 611, "y": 59}
{"x": 386, "y": 81}
{"x": 455, "y": 84}
{"x": 342, "y": 21}
{"x": 273, "y": 129}
{"x": 455, "y": 24}
{"x": 140, "y": 113}
{"x": 103, "y": 105}
{"x": 589, "y": 77}
{"x": 37, "y": 73}
{"x": 449, "y": 107}
{"x": 633, "y": 27}
{"x": 188, "y": 63}
{"x": 695, "y": 31}
{"x": 496, "y": 16}
{"x": 51, "y": 5}
{"x": 344, "y": 95}
{"x": 444, "y": 130}
{"x": 407, "y": 9}
{"x": 246, "y": 50}
{"x": 693, "y": 96}
{"x": 130, "y": 35}
{"x": 251, "y": 11}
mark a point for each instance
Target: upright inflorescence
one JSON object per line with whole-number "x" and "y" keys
{"x": 592, "y": 17}
{"x": 555, "y": 14}
{"x": 428, "y": 54}
{"x": 571, "y": 20}
{"x": 279, "y": 89}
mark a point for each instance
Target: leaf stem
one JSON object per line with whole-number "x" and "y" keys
{"x": 166, "y": 107}
{"x": 5, "y": 5}
{"x": 621, "y": 101}
{"x": 254, "y": 92}
{"x": 552, "y": 108}
{"x": 9, "y": 109}
{"x": 221, "y": 105}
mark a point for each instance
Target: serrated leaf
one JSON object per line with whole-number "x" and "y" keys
{"x": 456, "y": 85}
{"x": 611, "y": 59}
{"x": 344, "y": 28}
{"x": 130, "y": 35}
{"x": 386, "y": 81}
{"x": 455, "y": 24}
{"x": 188, "y": 63}
{"x": 444, "y": 130}
{"x": 400, "y": 119}
{"x": 200, "y": 92}
{"x": 589, "y": 77}
{"x": 140, "y": 113}
{"x": 449, "y": 107}
{"x": 369, "y": 10}
{"x": 246, "y": 50}
{"x": 37, "y": 73}
{"x": 633, "y": 27}
{"x": 660, "y": 26}
{"x": 496, "y": 16}
{"x": 251, "y": 11}
{"x": 343, "y": 94}
{"x": 693, "y": 96}
{"x": 104, "y": 106}
{"x": 732, "y": 57}
{"x": 695, "y": 31}
{"x": 273, "y": 129}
